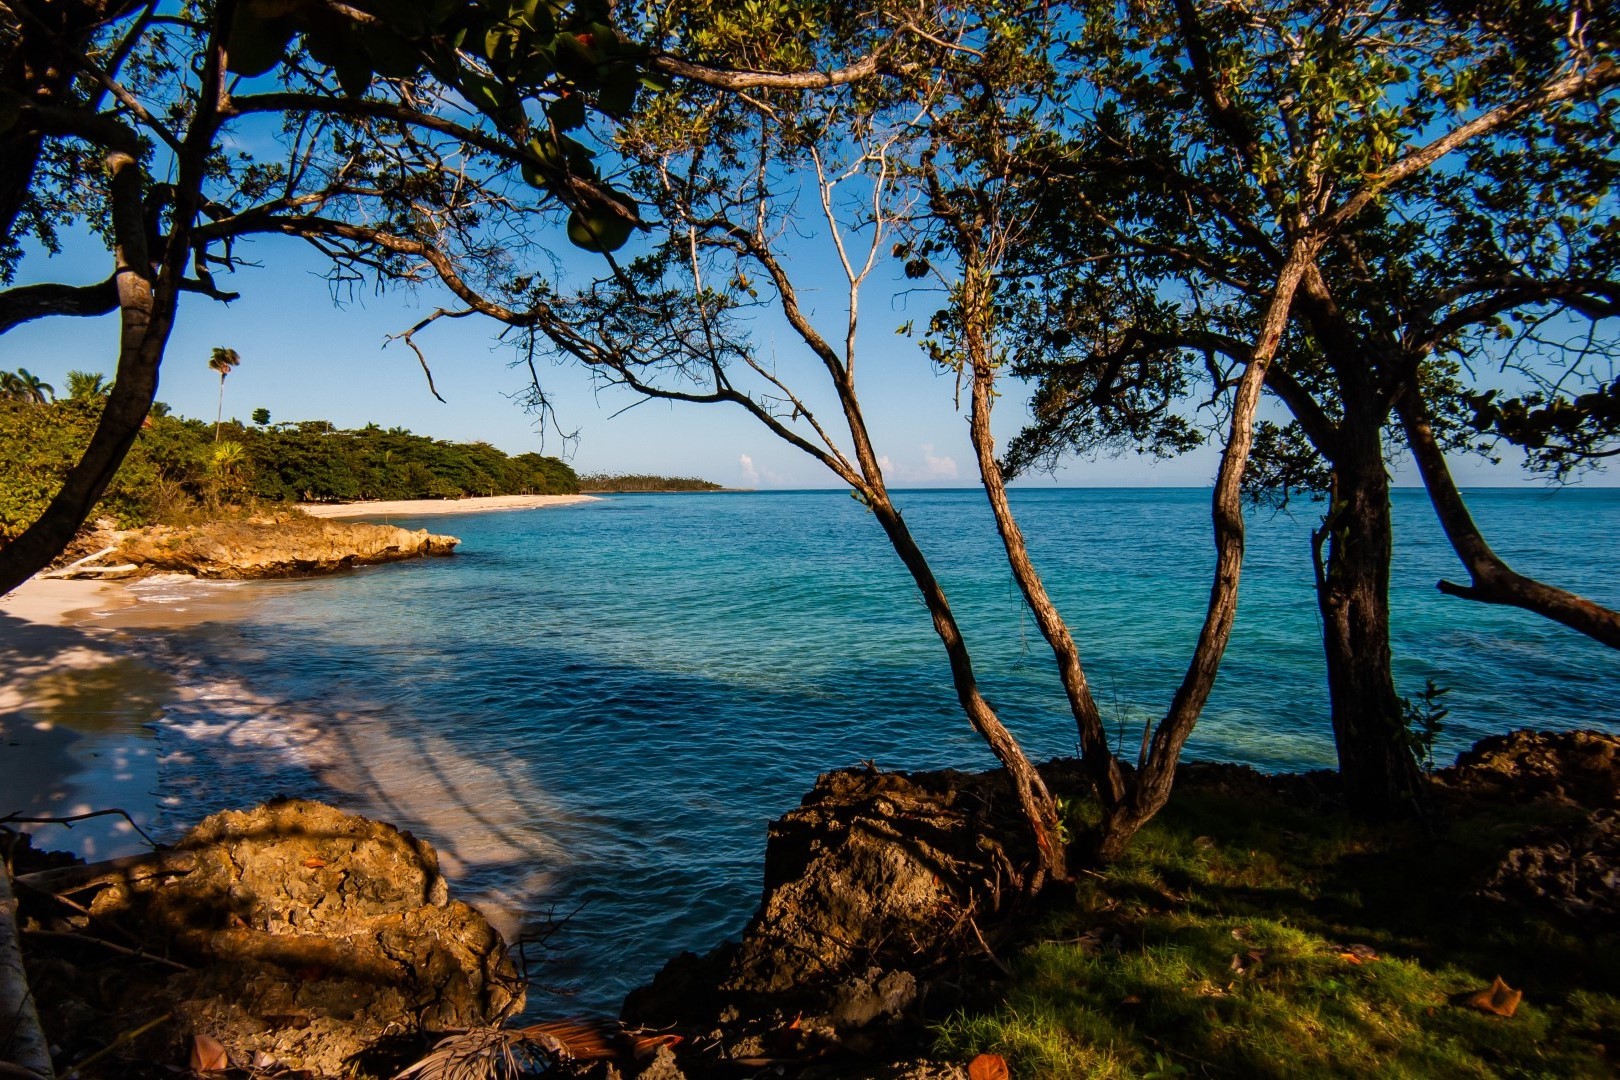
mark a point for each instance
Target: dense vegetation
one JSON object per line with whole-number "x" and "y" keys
{"x": 176, "y": 467}
{"x": 605, "y": 484}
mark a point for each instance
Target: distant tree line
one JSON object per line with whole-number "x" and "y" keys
{"x": 605, "y": 484}
{"x": 176, "y": 467}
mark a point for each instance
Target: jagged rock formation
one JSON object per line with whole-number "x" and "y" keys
{"x": 1574, "y": 870}
{"x": 286, "y": 545}
{"x": 1581, "y": 768}
{"x": 874, "y": 880}
{"x": 300, "y": 936}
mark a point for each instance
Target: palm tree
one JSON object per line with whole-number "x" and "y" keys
{"x": 10, "y": 386}
{"x": 86, "y": 386}
{"x": 222, "y": 361}
{"x": 24, "y": 385}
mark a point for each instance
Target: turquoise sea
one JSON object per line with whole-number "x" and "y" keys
{"x": 593, "y": 711}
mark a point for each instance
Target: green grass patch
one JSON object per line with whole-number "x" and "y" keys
{"x": 1241, "y": 937}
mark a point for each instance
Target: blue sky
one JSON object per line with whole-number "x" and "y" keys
{"x": 306, "y": 357}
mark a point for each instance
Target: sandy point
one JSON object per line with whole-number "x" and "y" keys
{"x": 425, "y": 507}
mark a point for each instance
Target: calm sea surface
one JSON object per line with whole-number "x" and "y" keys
{"x": 593, "y": 711}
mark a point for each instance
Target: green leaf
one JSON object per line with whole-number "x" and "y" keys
{"x": 567, "y": 113}
{"x": 618, "y": 94}
{"x": 256, "y": 45}
{"x": 600, "y": 231}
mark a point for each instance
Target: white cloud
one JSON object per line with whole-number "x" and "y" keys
{"x": 937, "y": 466}
{"x": 750, "y": 475}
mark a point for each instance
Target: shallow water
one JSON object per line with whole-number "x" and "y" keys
{"x": 593, "y": 711}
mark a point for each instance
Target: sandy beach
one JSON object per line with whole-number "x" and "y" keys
{"x": 72, "y": 705}
{"x": 426, "y": 507}
{"x": 105, "y": 702}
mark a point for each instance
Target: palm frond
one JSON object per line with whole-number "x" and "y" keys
{"x": 488, "y": 1054}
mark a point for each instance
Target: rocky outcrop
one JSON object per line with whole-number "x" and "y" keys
{"x": 1573, "y": 871}
{"x": 873, "y": 882}
{"x": 285, "y": 545}
{"x": 1580, "y": 768}
{"x": 296, "y": 936}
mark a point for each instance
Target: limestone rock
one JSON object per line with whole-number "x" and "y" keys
{"x": 871, "y": 879}
{"x": 312, "y": 935}
{"x": 1579, "y": 767}
{"x": 284, "y": 545}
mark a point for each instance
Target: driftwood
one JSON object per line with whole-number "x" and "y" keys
{"x": 71, "y": 879}
{"x": 23, "y": 1049}
{"x": 76, "y": 568}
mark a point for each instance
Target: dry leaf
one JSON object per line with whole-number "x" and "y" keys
{"x": 207, "y": 1054}
{"x": 1498, "y": 999}
{"x": 988, "y": 1067}
{"x": 1355, "y": 954}
{"x": 314, "y": 862}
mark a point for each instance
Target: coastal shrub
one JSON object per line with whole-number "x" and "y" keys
{"x": 175, "y": 469}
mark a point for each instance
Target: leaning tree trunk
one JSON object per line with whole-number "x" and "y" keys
{"x": 1376, "y": 767}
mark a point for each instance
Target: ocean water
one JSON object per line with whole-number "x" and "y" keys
{"x": 593, "y": 711}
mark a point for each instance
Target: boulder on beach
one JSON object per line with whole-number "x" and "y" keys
{"x": 293, "y": 936}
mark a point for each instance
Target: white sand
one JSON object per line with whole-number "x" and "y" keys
{"x": 423, "y": 507}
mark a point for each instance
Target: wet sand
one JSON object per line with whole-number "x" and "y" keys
{"x": 73, "y": 702}
{"x": 103, "y": 704}
{"x": 427, "y": 507}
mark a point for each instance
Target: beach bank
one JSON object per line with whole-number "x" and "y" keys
{"x": 428, "y": 507}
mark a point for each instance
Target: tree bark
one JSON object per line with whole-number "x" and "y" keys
{"x": 1040, "y": 810}
{"x": 1376, "y": 767}
{"x": 1492, "y": 581}
{"x": 147, "y": 302}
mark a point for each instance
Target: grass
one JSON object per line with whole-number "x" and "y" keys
{"x": 1244, "y": 937}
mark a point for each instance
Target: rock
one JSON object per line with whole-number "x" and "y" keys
{"x": 1577, "y": 767}
{"x": 314, "y": 934}
{"x": 874, "y": 879}
{"x": 662, "y": 1067}
{"x": 1572, "y": 870}
{"x": 284, "y": 545}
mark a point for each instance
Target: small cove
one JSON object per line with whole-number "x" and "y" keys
{"x": 593, "y": 711}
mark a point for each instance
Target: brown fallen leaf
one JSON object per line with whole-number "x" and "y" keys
{"x": 208, "y": 1054}
{"x": 988, "y": 1067}
{"x": 1498, "y": 999}
{"x": 314, "y": 862}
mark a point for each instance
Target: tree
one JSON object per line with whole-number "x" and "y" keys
{"x": 24, "y": 385}
{"x": 224, "y": 361}
{"x": 87, "y": 386}
{"x": 261, "y": 417}
{"x": 98, "y": 90}
{"x": 1211, "y": 135}
{"x": 725, "y": 177}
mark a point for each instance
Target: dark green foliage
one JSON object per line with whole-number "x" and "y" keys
{"x": 600, "y": 482}
{"x": 174, "y": 466}
{"x": 1425, "y": 720}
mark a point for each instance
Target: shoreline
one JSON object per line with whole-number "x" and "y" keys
{"x": 74, "y": 699}
{"x": 437, "y": 507}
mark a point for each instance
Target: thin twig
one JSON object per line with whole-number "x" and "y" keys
{"x": 71, "y": 818}
{"x": 139, "y": 954}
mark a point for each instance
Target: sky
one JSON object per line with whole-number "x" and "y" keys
{"x": 305, "y": 355}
